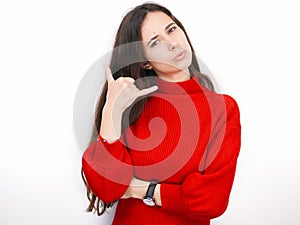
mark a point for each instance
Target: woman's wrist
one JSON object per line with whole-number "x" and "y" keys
{"x": 139, "y": 191}
{"x": 157, "y": 195}
{"x": 110, "y": 128}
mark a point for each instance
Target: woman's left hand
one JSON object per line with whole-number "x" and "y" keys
{"x": 136, "y": 189}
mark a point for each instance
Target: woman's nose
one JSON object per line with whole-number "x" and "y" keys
{"x": 172, "y": 44}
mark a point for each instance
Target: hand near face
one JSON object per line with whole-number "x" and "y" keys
{"x": 122, "y": 92}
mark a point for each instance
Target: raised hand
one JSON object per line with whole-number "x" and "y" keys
{"x": 121, "y": 93}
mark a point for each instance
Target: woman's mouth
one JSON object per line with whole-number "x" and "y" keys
{"x": 180, "y": 56}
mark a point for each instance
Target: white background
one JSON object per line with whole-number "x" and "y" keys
{"x": 251, "y": 47}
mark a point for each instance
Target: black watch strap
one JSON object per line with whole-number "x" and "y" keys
{"x": 151, "y": 188}
{"x": 148, "y": 198}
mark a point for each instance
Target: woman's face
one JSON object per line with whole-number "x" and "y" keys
{"x": 165, "y": 45}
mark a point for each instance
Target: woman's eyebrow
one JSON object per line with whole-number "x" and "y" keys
{"x": 152, "y": 39}
{"x": 170, "y": 24}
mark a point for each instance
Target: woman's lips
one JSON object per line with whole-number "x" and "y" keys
{"x": 180, "y": 56}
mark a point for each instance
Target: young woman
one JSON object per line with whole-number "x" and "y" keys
{"x": 165, "y": 144}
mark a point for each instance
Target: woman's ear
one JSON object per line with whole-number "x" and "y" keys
{"x": 146, "y": 66}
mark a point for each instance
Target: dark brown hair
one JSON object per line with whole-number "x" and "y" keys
{"x": 129, "y": 32}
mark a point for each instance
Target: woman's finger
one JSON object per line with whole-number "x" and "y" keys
{"x": 108, "y": 73}
{"x": 147, "y": 91}
{"x": 129, "y": 79}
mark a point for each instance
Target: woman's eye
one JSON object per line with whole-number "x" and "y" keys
{"x": 154, "y": 43}
{"x": 172, "y": 29}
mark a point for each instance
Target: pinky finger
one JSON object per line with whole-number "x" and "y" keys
{"x": 147, "y": 91}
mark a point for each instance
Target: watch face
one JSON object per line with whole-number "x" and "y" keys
{"x": 149, "y": 201}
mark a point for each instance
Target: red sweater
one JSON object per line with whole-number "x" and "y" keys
{"x": 187, "y": 137}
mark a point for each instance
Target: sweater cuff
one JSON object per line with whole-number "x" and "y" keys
{"x": 172, "y": 198}
{"x": 112, "y": 152}
{"x": 103, "y": 156}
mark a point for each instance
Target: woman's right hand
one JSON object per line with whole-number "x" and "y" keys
{"x": 121, "y": 93}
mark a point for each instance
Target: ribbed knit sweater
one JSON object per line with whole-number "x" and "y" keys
{"x": 188, "y": 138}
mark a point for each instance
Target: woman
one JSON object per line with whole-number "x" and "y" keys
{"x": 167, "y": 144}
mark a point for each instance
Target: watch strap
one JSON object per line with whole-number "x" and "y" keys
{"x": 151, "y": 188}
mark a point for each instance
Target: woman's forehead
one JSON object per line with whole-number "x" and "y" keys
{"x": 154, "y": 23}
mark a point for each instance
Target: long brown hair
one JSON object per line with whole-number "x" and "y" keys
{"x": 129, "y": 32}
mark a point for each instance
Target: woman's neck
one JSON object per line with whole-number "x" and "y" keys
{"x": 175, "y": 77}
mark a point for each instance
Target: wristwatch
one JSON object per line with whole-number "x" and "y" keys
{"x": 148, "y": 199}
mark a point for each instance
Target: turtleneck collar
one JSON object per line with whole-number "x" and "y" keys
{"x": 182, "y": 87}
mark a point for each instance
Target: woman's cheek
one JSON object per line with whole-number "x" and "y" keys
{"x": 158, "y": 55}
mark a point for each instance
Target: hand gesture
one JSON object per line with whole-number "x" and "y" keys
{"x": 122, "y": 92}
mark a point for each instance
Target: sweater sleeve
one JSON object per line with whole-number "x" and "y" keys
{"x": 107, "y": 168}
{"x": 207, "y": 195}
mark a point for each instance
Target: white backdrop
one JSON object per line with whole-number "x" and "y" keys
{"x": 251, "y": 47}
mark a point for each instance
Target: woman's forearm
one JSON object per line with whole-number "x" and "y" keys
{"x": 110, "y": 128}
